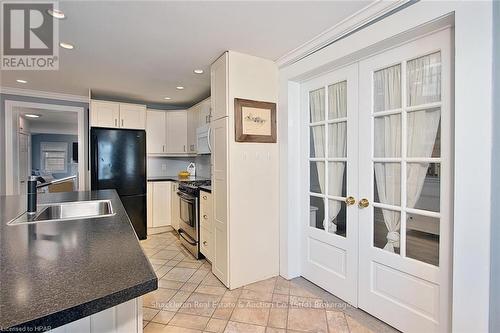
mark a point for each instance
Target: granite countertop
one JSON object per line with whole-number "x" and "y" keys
{"x": 53, "y": 273}
{"x": 174, "y": 179}
{"x": 207, "y": 188}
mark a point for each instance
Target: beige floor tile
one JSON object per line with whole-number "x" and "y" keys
{"x": 251, "y": 312}
{"x": 163, "y": 317}
{"x": 309, "y": 320}
{"x": 189, "y": 321}
{"x": 256, "y": 295}
{"x": 179, "y": 274}
{"x": 158, "y": 261}
{"x": 216, "y": 325}
{"x": 232, "y": 294}
{"x": 282, "y": 286}
{"x": 154, "y": 328}
{"x": 337, "y": 322}
{"x": 144, "y": 323}
{"x": 177, "y": 300}
{"x": 306, "y": 302}
{"x": 156, "y": 266}
{"x": 162, "y": 271}
{"x": 189, "y": 286}
{"x": 356, "y": 327}
{"x": 177, "y": 329}
{"x": 151, "y": 252}
{"x": 189, "y": 264}
{"x": 266, "y": 286}
{"x": 211, "y": 290}
{"x": 234, "y": 327}
{"x": 163, "y": 283}
{"x": 165, "y": 254}
{"x": 275, "y": 330}
{"x": 280, "y": 300}
{"x": 212, "y": 280}
{"x": 225, "y": 308}
{"x": 200, "y": 304}
{"x": 149, "y": 313}
{"x": 158, "y": 298}
{"x": 198, "y": 276}
{"x": 277, "y": 318}
{"x": 298, "y": 290}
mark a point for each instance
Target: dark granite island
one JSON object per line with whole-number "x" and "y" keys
{"x": 55, "y": 273}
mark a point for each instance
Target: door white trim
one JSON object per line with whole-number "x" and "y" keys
{"x": 9, "y": 163}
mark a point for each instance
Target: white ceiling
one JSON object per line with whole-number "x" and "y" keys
{"x": 142, "y": 50}
{"x": 50, "y": 121}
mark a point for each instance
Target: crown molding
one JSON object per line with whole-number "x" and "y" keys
{"x": 367, "y": 15}
{"x": 44, "y": 94}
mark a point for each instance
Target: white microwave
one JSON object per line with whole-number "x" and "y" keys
{"x": 203, "y": 140}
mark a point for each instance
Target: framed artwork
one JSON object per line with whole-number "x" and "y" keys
{"x": 255, "y": 121}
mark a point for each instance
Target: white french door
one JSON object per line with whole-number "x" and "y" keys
{"x": 379, "y": 162}
{"x": 331, "y": 232}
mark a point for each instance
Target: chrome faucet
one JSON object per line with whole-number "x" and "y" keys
{"x": 32, "y": 181}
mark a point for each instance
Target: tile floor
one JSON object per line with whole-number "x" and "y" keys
{"x": 191, "y": 299}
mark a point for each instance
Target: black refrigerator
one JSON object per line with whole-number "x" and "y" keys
{"x": 119, "y": 162}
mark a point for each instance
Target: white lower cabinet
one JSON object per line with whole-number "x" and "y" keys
{"x": 176, "y": 207}
{"x": 206, "y": 225}
{"x": 159, "y": 204}
{"x": 125, "y": 317}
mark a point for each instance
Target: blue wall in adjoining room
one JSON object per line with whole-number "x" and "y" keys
{"x": 37, "y": 139}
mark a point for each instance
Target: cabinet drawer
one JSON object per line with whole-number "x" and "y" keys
{"x": 206, "y": 245}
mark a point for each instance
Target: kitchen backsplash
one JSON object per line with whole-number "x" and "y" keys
{"x": 171, "y": 166}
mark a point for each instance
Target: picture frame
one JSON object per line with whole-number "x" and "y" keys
{"x": 255, "y": 121}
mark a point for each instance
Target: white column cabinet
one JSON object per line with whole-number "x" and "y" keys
{"x": 177, "y": 132}
{"x": 156, "y": 137}
{"x": 206, "y": 225}
{"x": 219, "y": 87}
{"x": 132, "y": 116}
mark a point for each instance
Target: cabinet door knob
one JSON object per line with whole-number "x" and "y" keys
{"x": 205, "y": 217}
{"x": 205, "y": 243}
{"x": 204, "y": 197}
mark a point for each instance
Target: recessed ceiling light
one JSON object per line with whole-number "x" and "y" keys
{"x": 167, "y": 98}
{"x": 22, "y": 81}
{"x": 179, "y": 87}
{"x": 198, "y": 71}
{"x": 29, "y": 115}
{"x": 56, "y": 13}
{"x": 66, "y": 46}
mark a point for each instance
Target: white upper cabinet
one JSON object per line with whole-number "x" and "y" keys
{"x": 117, "y": 115}
{"x": 156, "y": 136}
{"x": 132, "y": 116}
{"x": 177, "y": 132}
{"x": 204, "y": 113}
{"x": 104, "y": 114}
{"x": 218, "y": 87}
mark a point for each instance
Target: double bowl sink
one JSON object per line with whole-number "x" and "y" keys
{"x": 67, "y": 211}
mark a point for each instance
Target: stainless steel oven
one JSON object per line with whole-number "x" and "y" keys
{"x": 189, "y": 224}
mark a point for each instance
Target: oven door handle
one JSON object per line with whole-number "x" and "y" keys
{"x": 186, "y": 197}
{"x": 188, "y": 239}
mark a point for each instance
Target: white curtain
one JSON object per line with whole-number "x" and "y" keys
{"x": 387, "y": 89}
{"x": 317, "y": 111}
{"x": 337, "y": 108}
{"x": 424, "y": 86}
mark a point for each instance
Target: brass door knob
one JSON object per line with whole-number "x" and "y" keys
{"x": 363, "y": 203}
{"x": 350, "y": 201}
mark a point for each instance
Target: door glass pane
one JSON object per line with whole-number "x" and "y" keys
{"x": 423, "y": 138}
{"x": 317, "y": 105}
{"x": 422, "y": 238}
{"x": 387, "y": 89}
{"x": 317, "y": 177}
{"x": 386, "y": 229}
{"x": 424, "y": 79}
{"x": 317, "y": 141}
{"x": 387, "y": 183}
{"x": 423, "y": 186}
{"x": 387, "y": 136}
{"x": 337, "y": 217}
{"x": 337, "y": 179}
{"x": 337, "y": 100}
{"x": 316, "y": 212}
{"x": 337, "y": 145}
